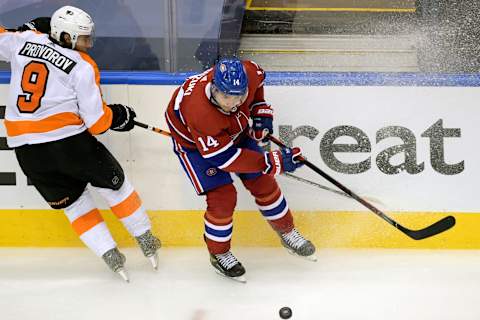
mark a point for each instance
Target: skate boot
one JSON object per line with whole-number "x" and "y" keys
{"x": 296, "y": 244}
{"x": 115, "y": 260}
{"x": 149, "y": 245}
{"x": 228, "y": 266}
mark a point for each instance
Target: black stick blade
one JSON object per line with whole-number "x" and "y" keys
{"x": 436, "y": 228}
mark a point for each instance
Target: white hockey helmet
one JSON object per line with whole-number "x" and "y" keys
{"x": 73, "y": 21}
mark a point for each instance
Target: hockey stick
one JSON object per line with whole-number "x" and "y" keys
{"x": 154, "y": 129}
{"x": 287, "y": 174}
{"x": 436, "y": 228}
{"x": 318, "y": 185}
{"x": 321, "y": 186}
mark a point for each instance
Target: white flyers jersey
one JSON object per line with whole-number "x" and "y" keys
{"x": 54, "y": 91}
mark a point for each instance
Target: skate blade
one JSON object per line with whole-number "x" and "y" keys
{"x": 124, "y": 275}
{"x": 312, "y": 258}
{"x": 240, "y": 279}
{"x": 154, "y": 261}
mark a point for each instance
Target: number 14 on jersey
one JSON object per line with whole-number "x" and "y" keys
{"x": 211, "y": 143}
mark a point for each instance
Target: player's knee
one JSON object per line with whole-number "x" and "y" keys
{"x": 263, "y": 184}
{"x": 117, "y": 181}
{"x": 222, "y": 199}
{"x": 113, "y": 180}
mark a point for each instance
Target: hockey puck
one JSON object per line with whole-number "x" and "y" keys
{"x": 285, "y": 313}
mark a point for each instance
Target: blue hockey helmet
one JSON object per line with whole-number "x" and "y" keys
{"x": 229, "y": 77}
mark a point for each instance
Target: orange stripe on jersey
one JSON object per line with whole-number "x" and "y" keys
{"x": 127, "y": 206}
{"x": 57, "y": 121}
{"x": 2, "y": 30}
{"x": 104, "y": 123}
{"x": 87, "y": 221}
{"x": 92, "y": 62}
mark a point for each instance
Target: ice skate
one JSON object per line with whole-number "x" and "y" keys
{"x": 228, "y": 266}
{"x": 297, "y": 245}
{"x": 149, "y": 245}
{"x": 115, "y": 260}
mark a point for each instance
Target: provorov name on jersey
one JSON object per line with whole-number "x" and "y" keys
{"x": 46, "y": 53}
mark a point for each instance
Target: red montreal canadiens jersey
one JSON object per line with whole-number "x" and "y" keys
{"x": 196, "y": 123}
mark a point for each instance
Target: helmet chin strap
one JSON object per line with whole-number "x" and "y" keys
{"x": 74, "y": 44}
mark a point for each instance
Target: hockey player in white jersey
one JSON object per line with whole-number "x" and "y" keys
{"x": 54, "y": 108}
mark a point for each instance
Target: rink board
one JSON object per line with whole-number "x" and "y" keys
{"x": 47, "y": 228}
{"x": 410, "y": 141}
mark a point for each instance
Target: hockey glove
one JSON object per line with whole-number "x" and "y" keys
{"x": 40, "y": 24}
{"x": 122, "y": 119}
{"x": 283, "y": 160}
{"x": 262, "y": 117}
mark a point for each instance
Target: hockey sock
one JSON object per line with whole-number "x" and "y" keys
{"x": 89, "y": 225}
{"x": 271, "y": 202}
{"x": 218, "y": 218}
{"x": 127, "y": 206}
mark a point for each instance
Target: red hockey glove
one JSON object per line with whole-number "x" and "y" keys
{"x": 262, "y": 117}
{"x": 283, "y": 160}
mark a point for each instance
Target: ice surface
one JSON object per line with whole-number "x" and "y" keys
{"x": 344, "y": 284}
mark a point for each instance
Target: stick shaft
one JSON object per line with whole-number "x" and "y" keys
{"x": 151, "y": 128}
{"x": 439, "y": 226}
{"x": 318, "y": 185}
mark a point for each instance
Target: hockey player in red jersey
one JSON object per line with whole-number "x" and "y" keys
{"x": 209, "y": 120}
{"x": 55, "y": 106}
